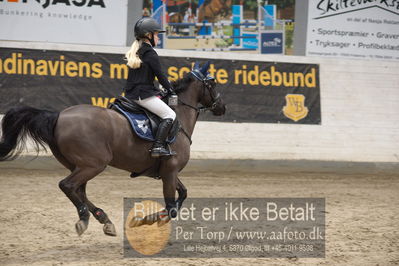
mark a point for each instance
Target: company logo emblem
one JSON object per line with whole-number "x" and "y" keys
{"x": 143, "y": 125}
{"x": 295, "y": 108}
{"x": 330, "y": 8}
{"x": 276, "y": 42}
{"x": 78, "y": 3}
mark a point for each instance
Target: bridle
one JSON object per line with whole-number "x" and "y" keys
{"x": 206, "y": 85}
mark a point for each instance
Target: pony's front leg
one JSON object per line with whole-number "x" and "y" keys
{"x": 182, "y": 191}
{"x": 169, "y": 194}
{"x": 161, "y": 217}
{"x": 172, "y": 207}
{"x": 171, "y": 183}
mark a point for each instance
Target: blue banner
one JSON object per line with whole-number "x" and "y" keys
{"x": 237, "y": 16}
{"x": 156, "y": 4}
{"x": 250, "y": 43}
{"x": 272, "y": 42}
{"x": 158, "y": 16}
{"x": 270, "y": 16}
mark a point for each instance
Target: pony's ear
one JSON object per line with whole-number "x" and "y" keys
{"x": 204, "y": 68}
{"x": 196, "y": 66}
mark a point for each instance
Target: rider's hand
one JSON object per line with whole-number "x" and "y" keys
{"x": 172, "y": 91}
{"x": 163, "y": 93}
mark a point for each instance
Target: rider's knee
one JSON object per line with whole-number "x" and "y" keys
{"x": 170, "y": 114}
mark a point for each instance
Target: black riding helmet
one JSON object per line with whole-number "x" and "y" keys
{"x": 147, "y": 25}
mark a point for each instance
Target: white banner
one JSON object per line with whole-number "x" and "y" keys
{"x": 101, "y": 22}
{"x": 367, "y": 29}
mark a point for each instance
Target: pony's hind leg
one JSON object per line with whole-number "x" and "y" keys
{"x": 58, "y": 155}
{"x": 70, "y": 185}
{"x": 99, "y": 214}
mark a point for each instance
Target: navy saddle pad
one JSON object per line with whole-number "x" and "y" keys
{"x": 144, "y": 123}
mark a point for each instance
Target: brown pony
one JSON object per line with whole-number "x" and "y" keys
{"x": 175, "y": 18}
{"x": 85, "y": 139}
{"x": 210, "y": 11}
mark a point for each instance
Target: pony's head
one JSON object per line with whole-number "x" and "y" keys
{"x": 208, "y": 96}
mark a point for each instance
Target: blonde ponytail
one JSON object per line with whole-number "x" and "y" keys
{"x": 133, "y": 60}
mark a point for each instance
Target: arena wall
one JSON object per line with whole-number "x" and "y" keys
{"x": 359, "y": 105}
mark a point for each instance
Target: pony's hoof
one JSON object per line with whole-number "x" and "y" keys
{"x": 173, "y": 213}
{"x": 136, "y": 221}
{"x": 164, "y": 220}
{"x": 109, "y": 229}
{"x": 81, "y": 227}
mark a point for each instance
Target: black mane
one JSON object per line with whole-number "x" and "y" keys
{"x": 182, "y": 84}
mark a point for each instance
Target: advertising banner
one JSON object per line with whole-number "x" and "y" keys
{"x": 356, "y": 29}
{"x": 254, "y": 91}
{"x": 100, "y": 22}
{"x": 252, "y": 42}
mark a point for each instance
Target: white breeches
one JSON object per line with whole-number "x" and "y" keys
{"x": 157, "y": 106}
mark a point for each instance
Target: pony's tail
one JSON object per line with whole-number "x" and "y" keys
{"x": 20, "y": 122}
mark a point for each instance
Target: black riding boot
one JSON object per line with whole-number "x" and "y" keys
{"x": 159, "y": 149}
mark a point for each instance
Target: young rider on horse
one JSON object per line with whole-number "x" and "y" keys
{"x": 144, "y": 66}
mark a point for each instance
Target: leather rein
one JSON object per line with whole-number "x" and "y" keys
{"x": 206, "y": 85}
{"x": 205, "y": 81}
